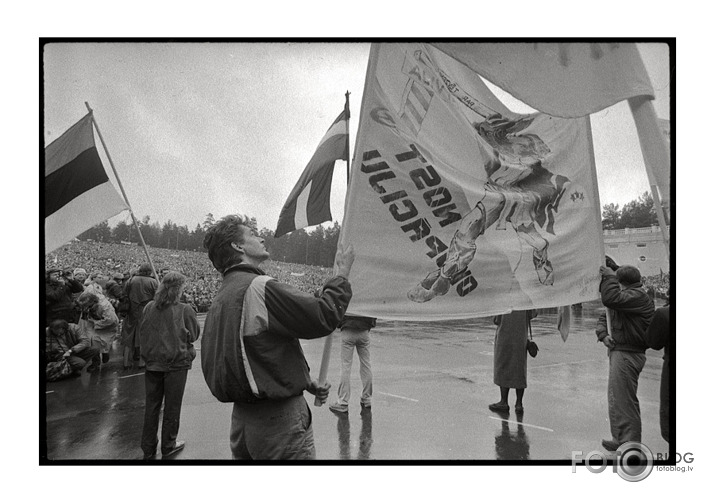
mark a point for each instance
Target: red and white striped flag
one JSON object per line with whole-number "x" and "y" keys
{"x": 78, "y": 193}
{"x": 309, "y": 201}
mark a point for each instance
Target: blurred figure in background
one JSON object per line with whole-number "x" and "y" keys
{"x": 659, "y": 336}
{"x": 139, "y": 290}
{"x": 59, "y": 288}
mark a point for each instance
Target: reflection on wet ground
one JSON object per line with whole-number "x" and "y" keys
{"x": 432, "y": 382}
{"x": 365, "y": 439}
{"x": 511, "y": 445}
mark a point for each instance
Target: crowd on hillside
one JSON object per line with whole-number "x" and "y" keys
{"x": 657, "y": 285}
{"x": 103, "y": 260}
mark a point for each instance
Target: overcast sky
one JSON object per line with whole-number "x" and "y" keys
{"x": 226, "y": 128}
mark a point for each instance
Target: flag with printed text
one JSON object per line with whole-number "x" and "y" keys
{"x": 458, "y": 207}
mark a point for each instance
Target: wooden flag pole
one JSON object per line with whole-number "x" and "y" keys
{"x": 121, "y": 187}
{"x": 325, "y": 361}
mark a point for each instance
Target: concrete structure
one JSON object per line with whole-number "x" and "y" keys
{"x": 641, "y": 247}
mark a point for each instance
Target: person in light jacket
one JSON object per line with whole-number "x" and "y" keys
{"x": 99, "y": 321}
{"x": 167, "y": 331}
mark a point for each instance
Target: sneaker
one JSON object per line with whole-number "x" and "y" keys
{"x": 177, "y": 447}
{"x": 336, "y": 407}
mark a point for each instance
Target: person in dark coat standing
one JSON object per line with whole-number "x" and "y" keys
{"x": 140, "y": 289}
{"x": 168, "y": 329}
{"x": 659, "y": 336}
{"x": 631, "y": 311}
{"x": 510, "y": 357}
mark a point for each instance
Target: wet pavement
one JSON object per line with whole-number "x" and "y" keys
{"x": 432, "y": 385}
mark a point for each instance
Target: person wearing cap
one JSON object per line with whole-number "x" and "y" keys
{"x": 139, "y": 290}
{"x": 59, "y": 288}
{"x": 250, "y": 351}
{"x": 631, "y": 310}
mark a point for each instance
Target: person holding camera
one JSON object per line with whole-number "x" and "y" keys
{"x": 631, "y": 310}
{"x": 510, "y": 357}
{"x": 59, "y": 287}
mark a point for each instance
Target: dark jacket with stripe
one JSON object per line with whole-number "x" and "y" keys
{"x": 250, "y": 349}
{"x": 631, "y": 312}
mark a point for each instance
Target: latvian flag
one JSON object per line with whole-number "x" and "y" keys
{"x": 78, "y": 193}
{"x": 309, "y": 202}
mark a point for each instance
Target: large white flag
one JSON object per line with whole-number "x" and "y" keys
{"x": 562, "y": 79}
{"x": 459, "y": 208}
{"x": 78, "y": 193}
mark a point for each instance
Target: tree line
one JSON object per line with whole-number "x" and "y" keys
{"x": 318, "y": 246}
{"x": 637, "y": 213}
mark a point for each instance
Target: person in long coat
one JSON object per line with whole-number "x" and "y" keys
{"x": 140, "y": 289}
{"x": 99, "y": 321}
{"x": 510, "y": 357}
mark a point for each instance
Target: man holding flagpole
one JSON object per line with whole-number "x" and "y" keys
{"x": 250, "y": 353}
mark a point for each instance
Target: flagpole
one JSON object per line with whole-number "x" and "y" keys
{"x": 325, "y": 361}
{"x": 121, "y": 187}
{"x": 655, "y": 156}
{"x": 594, "y": 181}
{"x": 347, "y": 131}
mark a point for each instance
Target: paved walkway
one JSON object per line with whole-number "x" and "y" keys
{"x": 432, "y": 385}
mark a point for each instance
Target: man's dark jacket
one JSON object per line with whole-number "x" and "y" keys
{"x": 631, "y": 312}
{"x": 250, "y": 349}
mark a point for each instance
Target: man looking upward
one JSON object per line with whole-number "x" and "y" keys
{"x": 250, "y": 353}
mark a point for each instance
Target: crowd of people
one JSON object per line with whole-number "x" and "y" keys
{"x": 281, "y": 303}
{"x": 103, "y": 260}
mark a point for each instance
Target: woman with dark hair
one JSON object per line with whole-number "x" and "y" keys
{"x": 167, "y": 331}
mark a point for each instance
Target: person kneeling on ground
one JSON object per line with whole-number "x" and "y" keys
{"x": 66, "y": 340}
